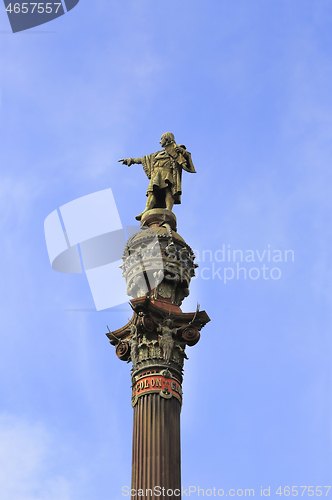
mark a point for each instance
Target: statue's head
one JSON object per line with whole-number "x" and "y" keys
{"x": 168, "y": 322}
{"x": 166, "y": 138}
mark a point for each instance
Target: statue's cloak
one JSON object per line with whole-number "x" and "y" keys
{"x": 164, "y": 170}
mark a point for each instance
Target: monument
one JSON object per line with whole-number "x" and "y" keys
{"x": 158, "y": 266}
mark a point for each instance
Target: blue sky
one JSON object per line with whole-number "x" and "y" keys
{"x": 246, "y": 86}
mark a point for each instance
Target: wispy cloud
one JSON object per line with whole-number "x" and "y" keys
{"x": 26, "y": 454}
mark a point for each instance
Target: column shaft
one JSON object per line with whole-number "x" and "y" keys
{"x": 156, "y": 446}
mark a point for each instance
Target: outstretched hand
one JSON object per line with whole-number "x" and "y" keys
{"x": 127, "y": 161}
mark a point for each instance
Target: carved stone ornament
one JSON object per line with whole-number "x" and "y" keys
{"x": 148, "y": 324}
{"x": 156, "y": 337}
{"x": 191, "y": 335}
{"x": 122, "y": 351}
{"x": 157, "y": 262}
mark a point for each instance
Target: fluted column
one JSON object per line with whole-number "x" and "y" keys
{"x": 156, "y": 446}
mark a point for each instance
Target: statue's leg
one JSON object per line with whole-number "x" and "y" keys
{"x": 150, "y": 203}
{"x": 169, "y": 199}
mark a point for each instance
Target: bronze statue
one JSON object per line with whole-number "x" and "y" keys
{"x": 166, "y": 341}
{"x": 164, "y": 169}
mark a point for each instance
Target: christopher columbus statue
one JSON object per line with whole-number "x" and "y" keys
{"x": 164, "y": 169}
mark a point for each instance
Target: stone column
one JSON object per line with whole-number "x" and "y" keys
{"x": 158, "y": 266}
{"x": 156, "y": 446}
